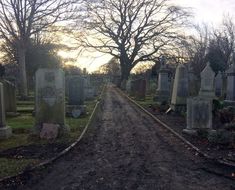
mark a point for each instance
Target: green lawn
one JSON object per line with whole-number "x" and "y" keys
{"x": 21, "y": 126}
{"x": 24, "y": 121}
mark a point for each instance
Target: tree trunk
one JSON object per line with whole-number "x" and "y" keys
{"x": 125, "y": 73}
{"x": 23, "y": 88}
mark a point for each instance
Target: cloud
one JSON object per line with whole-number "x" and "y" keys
{"x": 210, "y": 11}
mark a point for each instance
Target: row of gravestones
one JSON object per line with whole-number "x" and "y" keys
{"x": 50, "y": 102}
{"x": 183, "y": 95}
{"x": 198, "y": 107}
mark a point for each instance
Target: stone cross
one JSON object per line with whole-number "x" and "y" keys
{"x": 5, "y": 131}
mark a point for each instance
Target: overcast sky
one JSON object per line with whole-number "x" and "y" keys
{"x": 210, "y": 11}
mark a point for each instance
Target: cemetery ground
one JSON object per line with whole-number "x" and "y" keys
{"x": 127, "y": 149}
{"x": 218, "y": 147}
{"x": 21, "y": 151}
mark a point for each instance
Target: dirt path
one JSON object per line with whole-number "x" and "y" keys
{"x": 128, "y": 150}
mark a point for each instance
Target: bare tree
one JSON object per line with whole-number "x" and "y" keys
{"x": 112, "y": 68}
{"x": 193, "y": 48}
{"x": 222, "y": 45}
{"x": 132, "y": 31}
{"x": 20, "y": 19}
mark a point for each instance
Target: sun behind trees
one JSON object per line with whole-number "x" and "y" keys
{"x": 21, "y": 19}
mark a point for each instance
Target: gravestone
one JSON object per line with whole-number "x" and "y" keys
{"x": 148, "y": 74}
{"x": 164, "y": 85}
{"x": 76, "y": 90}
{"x": 9, "y": 97}
{"x": 230, "y": 92}
{"x": 199, "y": 115}
{"x": 133, "y": 88}
{"x": 75, "y": 105}
{"x": 218, "y": 85}
{"x": 50, "y": 99}
{"x": 5, "y": 131}
{"x": 207, "y": 89}
{"x": 140, "y": 89}
{"x": 89, "y": 91}
{"x": 180, "y": 89}
{"x": 128, "y": 86}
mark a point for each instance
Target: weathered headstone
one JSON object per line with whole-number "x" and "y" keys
{"x": 9, "y": 97}
{"x": 133, "y": 88}
{"x": 89, "y": 91}
{"x": 199, "y": 114}
{"x": 207, "y": 89}
{"x": 141, "y": 89}
{"x": 164, "y": 85}
{"x": 180, "y": 89}
{"x": 76, "y": 90}
{"x": 5, "y": 131}
{"x": 75, "y": 105}
{"x": 50, "y": 99}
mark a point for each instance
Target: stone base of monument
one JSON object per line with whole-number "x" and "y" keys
{"x": 5, "y": 132}
{"x": 161, "y": 96}
{"x": 194, "y": 132}
{"x": 75, "y": 111}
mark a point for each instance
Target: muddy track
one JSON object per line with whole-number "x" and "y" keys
{"x": 129, "y": 150}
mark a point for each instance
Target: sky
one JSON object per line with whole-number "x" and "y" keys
{"x": 205, "y": 11}
{"x": 209, "y": 11}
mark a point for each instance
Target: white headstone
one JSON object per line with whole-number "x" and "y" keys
{"x": 199, "y": 114}
{"x": 180, "y": 89}
{"x": 207, "y": 89}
